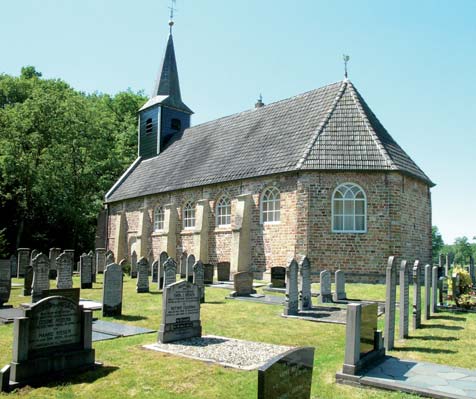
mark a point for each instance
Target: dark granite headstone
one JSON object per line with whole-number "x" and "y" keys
{"x": 278, "y": 277}
{"x": 112, "y": 291}
{"x": 100, "y": 259}
{"x": 180, "y": 312}
{"x": 162, "y": 259}
{"x": 23, "y": 261}
{"x": 155, "y": 271}
{"x": 5, "y": 281}
{"x": 243, "y": 284}
{"x": 86, "y": 271}
{"x": 27, "y": 280}
{"x": 142, "y": 275}
{"x": 208, "y": 271}
{"x": 93, "y": 264}
{"x": 223, "y": 271}
{"x": 71, "y": 293}
{"x": 190, "y": 263}
{"x": 183, "y": 265}
{"x": 198, "y": 280}
{"x": 288, "y": 375}
{"x": 13, "y": 265}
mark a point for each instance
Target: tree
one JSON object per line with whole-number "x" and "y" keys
{"x": 437, "y": 243}
{"x": 463, "y": 250}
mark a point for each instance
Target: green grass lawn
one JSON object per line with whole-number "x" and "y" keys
{"x": 130, "y": 371}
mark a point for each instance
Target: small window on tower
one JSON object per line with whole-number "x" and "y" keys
{"x": 148, "y": 126}
{"x": 176, "y": 124}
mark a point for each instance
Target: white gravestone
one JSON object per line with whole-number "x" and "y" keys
{"x": 292, "y": 293}
{"x": 325, "y": 287}
{"x": 339, "y": 294}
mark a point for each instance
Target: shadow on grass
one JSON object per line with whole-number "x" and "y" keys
{"x": 433, "y": 338}
{"x": 452, "y": 318}
{"x": 130, "y": 318}
{"x": 154, "y": 293}
{"x": 215, "y": 302}
{"x": 442, "y": 327}
{"x": 425, "y": 350}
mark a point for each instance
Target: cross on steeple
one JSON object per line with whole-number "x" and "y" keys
{"x": 346, "y": 59}
{"x": 172, "y": 9}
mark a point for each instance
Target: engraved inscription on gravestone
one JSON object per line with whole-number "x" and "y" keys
{"x": 23, "y": 261}
{"x": 86, "y": 271}
{"x": 112, "y": 291}
{"x": 64, "y": 276}
{"x": 199, "y": 281}
{"x": 170, "y": 271}
{"x": 41, "y": 281}
{"x": 5, "y": 280}
{"x": 142, "y": 275}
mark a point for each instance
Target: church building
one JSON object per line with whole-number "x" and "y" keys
{"x": 316, "y": 174}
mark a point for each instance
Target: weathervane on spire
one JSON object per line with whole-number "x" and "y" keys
{"x": 346, "y": 59}
{"x": 172, "y": 9}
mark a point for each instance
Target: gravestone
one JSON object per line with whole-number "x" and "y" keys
{"x": 292, "y": 294}
{"x": 162, "y": 259}
{"x": 416, "y": 295}
{"x": 70, "y": 293}
{"x": 5, "y": 281}
{"x": 441, "y": 262}
{"x": 243, "y": 284}
{"x": 455, "y": 282}
{"x": 472, "y": 270}
{"x": 183, "y": 265}
{"x": 288, "y": 375}
{"x": 198, "y": 279}
{"x": 33, "y": 255}
{"x": 305, "y": 299}
{"x": 189, "y": 272}
{"x": 434, "y": 289}
{"x": 86, "y": 271}
{"x": 64, "y": 277}
{"x": 208, "y": 272}
{"x": 427, "y": 291}
{"x": 13, "y": 265}
{"x": 142, "y": 275}
{"x": 134, "y": 264}
{"x": 93, "y": 266}
{"x": 27, "y": 280}
{"x": 223, "y": 271}
{"x": 448, "y": 264}
{"x": 100, "y": 259}
{"x": 23, "y": 261}
{"x": 278, "y": 277}
{"x": 54, "y": 336}
{"x": 325, "y": 295}
{"x": 170, "y": 271}
{"x": 123, "y": 263}
{"x": 390, "y": 297}
{"x": 54, "y": 253}
{"x": 404, "y": 300}
{"x": 363, "y": 342}
{"x": 180, "y": 312}
{"x": 112, "y": 291}
{"x": 109, "y": 259}
{"x": 340, "y": 293}
{"x": 41, "y": 281}
{"x": 70, "y": 253}
{"x": 155, "y": 271}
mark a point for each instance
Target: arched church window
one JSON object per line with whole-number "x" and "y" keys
{"x": 270, "y": 205}
{"x": 159, "y": 218}
{"x": 223, "y": 211}
{"x": 188, "y": 215}
{"x": 349, "y": 209}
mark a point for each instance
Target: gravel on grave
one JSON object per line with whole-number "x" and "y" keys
{"x": 229, "y": 352}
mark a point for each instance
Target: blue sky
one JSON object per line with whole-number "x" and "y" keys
{"x": 413, "y": 62}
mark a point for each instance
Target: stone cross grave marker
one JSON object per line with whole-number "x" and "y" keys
{"x": 288, "y": 375}
{"x": 112, "y": 291}
{"x": 134, "y": 264}
{"x": 13, "y": 265}
{"x": 190, "y": 263}
{"x": 170, "y": 271}
{"x": 64, "y": 276}
{"x": 86, "y": 271}
{"x": 390, "y": 297}
{"x": 340, "y": 293}
{"x": 41, "y": 281}
{"x": 292, "y": 293}
{"x": 427, "y": 291}
{"x": 223, "y": 271}
{"x": 208, "y": 271}
{"x": 183, "y": 265}
{"x": 27, "y": 280}
{"x": 5, "y": 281}
{"x": 93, "y": 265}
{"x": 155, "y": 271}
{"x": 54, "y": 336}
{"x": 325, "y": 287}
{"x": 180, "y": 312}
{"x": 434, "y": 289}
{"x": 198, "y": 279}
{"x": 278, "y": 277}
{"x": 416, "y": 295}
{"x": 162, "y": 259}
{"x": 305, "y": 299}
{"x": 54, "y": 253}
{"x": 243, "y": 284}
{"x": 404, "y": 300}
{"x": 100, "y": 259}
{"x": 23, "y": 261}
{"x": 142, "y": 275}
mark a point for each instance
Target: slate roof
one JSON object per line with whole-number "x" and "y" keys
{"x": 330, "y": 128}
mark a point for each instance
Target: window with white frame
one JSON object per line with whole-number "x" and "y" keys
{"x": 349, "y": 209}
{"x": 159, "y": 218}
{"x": 188, "y": 215}
{"x": 270, "y": 205}
{"x": 223, "y": 211}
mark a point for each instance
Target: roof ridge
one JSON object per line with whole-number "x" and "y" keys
{"x": 323, "y": 124}
{"x": 354, "y": 94}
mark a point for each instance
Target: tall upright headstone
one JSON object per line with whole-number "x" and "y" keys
{"x": 416, "y": 295}
{"x": 100, "y": 259}
{"x": 198, "y": 279}
{"x": 278, "y": 277}
{"x": 434, "y": 289}
{"x": 109, "y": 258}
{"x": 142, "y": 275}
{"x": 23, "y": 261}
{"x": 155, "y": 271}
{"x": 208, "y": 272}
{"x": 13, "y": 265}
{"x": 162, "y": 259}
{"x": 441, "y": 262}
{"x": 339, "y": 293}
{"x": 86, "y": 271}
{"x": 41, "y": 280}
{"x": 427, "y": 291}
{"x": 112, "y": 291}
{"x": 190, "y": 263}
{"x": 292, "y": 293}
{"x": 70, "y": 253}
{"x": 93, "y": 263}
{"x": 170, "y": 271}
{"x": 223, "y": 271}
{"x": 180, "y": 312}
{"x": 325, "y": 294}
{"x": 448, "y": 264}
{"x": 134, "y": 265}
{"x": 472, "y": 270}
{"x": 5, "y": 281}
{"x": 391, "y": 296}
{"x": 27, "y": 280}
{"x": 305, "y": 301}
{"x": 64, "y": 266}
{"x": 404, "y": 300}
{"x": 54, "y": 253}
{"x": 183, "y": 265}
